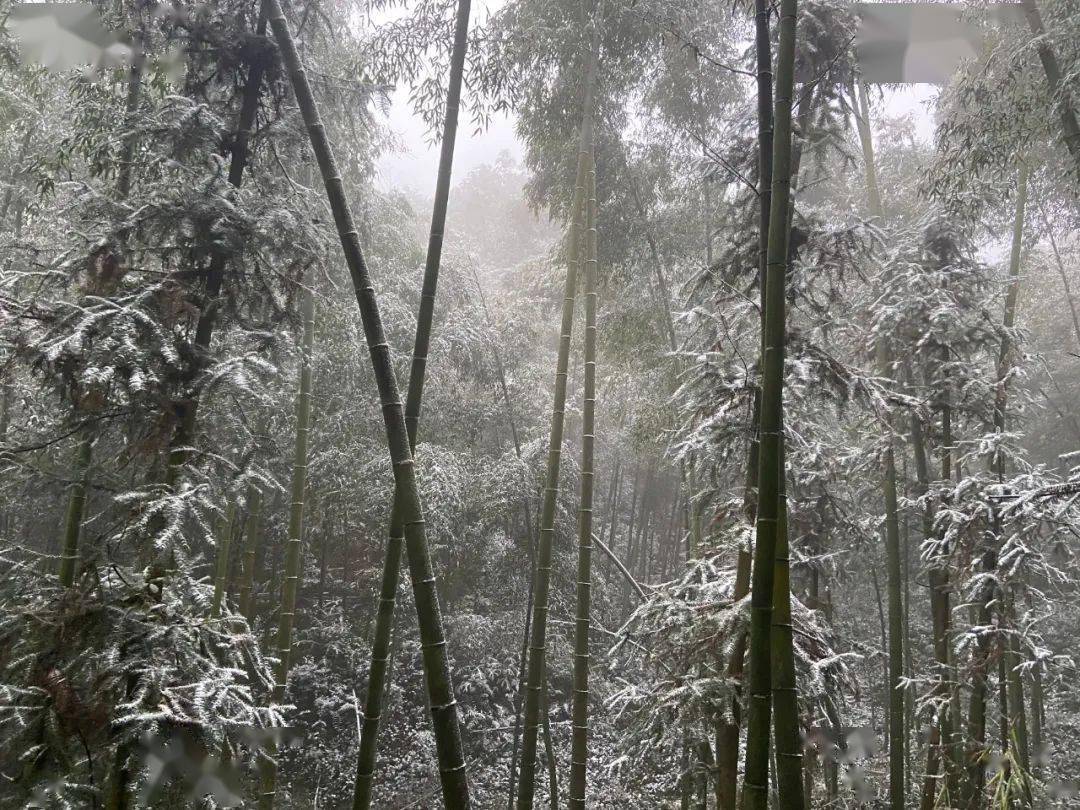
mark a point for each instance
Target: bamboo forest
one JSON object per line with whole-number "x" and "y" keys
{"x": 540, "y": 404}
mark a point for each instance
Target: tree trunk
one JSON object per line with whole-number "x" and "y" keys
{"x": 885, "y": 692}
{"x": 909, "y": 671}
{"x": 634, "y": 492}
{"x": 786, "y": 726}
{"x": 770, "y": 513}
{"x": 941, "y": 733}
{"x": 451, "y": 758}
{"x": 727, "y": 735}
{"x": 531, "y": 531}
{"x": 978, "y": 712}
{"x": 84, "y": 451}
{"x": 9, "y": 192}
{"x": 892, "y": 525}
{"x": 521, "y": 672}
{"x": 537, "y": 642}
{"x": 1017, "y": 714}
{"x": 727, "y": 732}
{"x": 69, "y": 555}
{"x": 324, "y": 544}
{"x": 612, "y": 499}
{"x": 580, "y": 703}
{"x": 224, "y": 545}
{"x": 549, "y": 750}
{"x": 1059, "y": 264}
{"x": 184, "y": 433}
{"x": 896, "y": 637}
{"x": 432, "y": 641}
{"x": 1070, "y": 128}
{"x": 252, "y": 541}
{"x": 290, "y": 583}
{"x": 1037, "y": 716}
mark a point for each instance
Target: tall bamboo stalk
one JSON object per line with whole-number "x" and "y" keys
{"x": 884, "y": 627}
{"x": 896, "y": 626}
{"x": 69, "y": 554}
{"x": 9, "y": 192}
{"x": 1037, "y": 703}
{"x": 894, "y": 567}
{"x": 1070, "y": 127}
{"x": 727, "y": 732}
{"x": 443, "y": 706}
{"x": 1059, "y": 264}
{"x": 770, "y": 512}
{"x": 1017, "y": 716}
{"x": 500, "y": 372}
{"x": 522, "y": 664}
{"x": 582, "y": 623}
{"x": 862, "y": 122}
{"x": 224, "y": 544}
{"x": 325, "y": 541}
{"x": 939, "y": 749}
{"x": 384, "y": 620}
{"x": 291, "y": 580}
{"x": 983, "y": 651}
{"x": 84, "y": 450}
{"x": 955, "y": 744}
{"x": 786, "y": 729}
{"x": 538, "y": 635}
{"x": 252, "y": 539}
{"x": 1009, "y": 319}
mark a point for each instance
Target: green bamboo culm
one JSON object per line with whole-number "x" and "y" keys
{"x": 789, "y": 747}
{"x": 69, "y": 554}
{"x": 579, "y": 748}
{"x": 84, "y": 452}
{"x": 1018, "y": 739}
{"x": 381, "y": 648}
{"x": 977, "y": 756}
{"x": 224, "y": 544}
{"x": 538, "y": 631}
{"x": 896, "y": 617}
{"x": 939, "y": 745}
{"x": 118, "y": 782}
{"x": 1017, "y": 714}
{"x": 1014, "y": 716}
{"x": 252, "y": 538}
{"x": 893, "y": 565}
{"x": 515, "y": 747}
{"x": 866, "y": 140}
{"x": 1058, "y": 87}
{"x": 290, "y": 584}
{"x": 1012, "y": 296}
{"x": 770, "y": 468}
{"x": 727, "y": 733}
{"x": 452, "y": 769}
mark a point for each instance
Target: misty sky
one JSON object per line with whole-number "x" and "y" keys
{"x": 413, "y": 168}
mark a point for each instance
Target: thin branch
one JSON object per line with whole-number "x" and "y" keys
{"x": 622, "y": 568}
